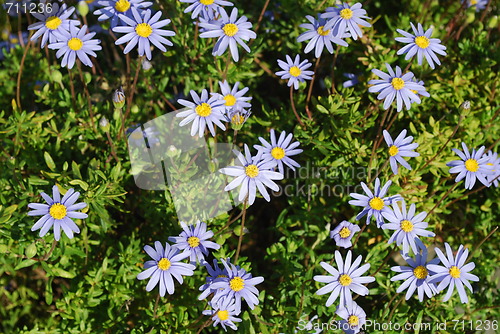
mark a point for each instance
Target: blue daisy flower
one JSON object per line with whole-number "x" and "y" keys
{"x": 401, "y": 147}
{"x": 453, "y": 273}
{"x": 224, "y": 313}
{"x": 280, "y": 150}
{"x": 58, "y": 213}
{"x": 395, "y": 85}
{"x": 353, "y": 318}
{"x": 57, "y": 20}
{"x": 474, "y": 165}
{"x": 494, "y": 163}
{"x": 208, "y": 9}
{"x": 112, "y": 9}
{"x": 421, "y": 44}
{"x": 193, "y": 240}
{"x": 213, "y": 274}
{"x": 234, "y": 98}
{"x": 231, "y": 31}
{"x": 294, "y": 71}
{"x": 318, "y": 37}
{"x": 343, "y": 233}
{"x": 353, "y": 80}
{"x": 346, "y": 19}
{"x": 144, "y": 30}
{"x": 478, "y": 4}
{"x": 75, "y": 43}
{"x": 166, "y": 264}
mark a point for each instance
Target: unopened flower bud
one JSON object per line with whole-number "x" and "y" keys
{"x": 104, "y": 124}
{"x": 119, "y": 98}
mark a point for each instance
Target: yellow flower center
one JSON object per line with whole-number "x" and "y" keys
{"x": 237, "y": 284}
{"x": 57, "y": 211}
{"x": 353, "y": 320}
{"x": 278, "y": 153}
{"x": 122, "y": 5}
{"x": 455, "y": 272}
{"x": 345, "y": 232}
{"x": 422, "y": 42}
{"x": 230, "y": 100}
{"x": 193, "y": 242}
{"x": 406, "y": 226}
{"x": 397, "y": 83}
{"x": 473, "y": 2}
{"x": 223, "y": 315}
{"x": 164, "y": 264}
{"x": 345, "y": 280}
{"x": 75, "y": 44}
{"x": 252, "y": 171}
{"x": 420, "y": 272}
{"x": 471, "y": 165}
{"x": 393, "y": 150}
{"x": 143, "y": 30}
{"x": 53, "y": 22}
{"x": 203, "y": 110}
{"x": 346, "y": 13}
{"x": 322, "y": 32}
{"x": 230, "y": 29}
{"x": 376, "y": 203}
{"x": 295, "y": 71}
{"x": 237, "y": 119}
{"x": 221, "y": 276}
{"x": 206, "y": 2}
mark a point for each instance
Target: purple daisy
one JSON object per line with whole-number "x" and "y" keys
{"x": 346, "y": 19}
{"x": 294, "y": 71}
{"x": 112, "y": 9}
{"x": 343, "y": 234}
{"x": 473, "y": 165}
{"x": 193, "y": 240}
{"x": 401, "y": 147}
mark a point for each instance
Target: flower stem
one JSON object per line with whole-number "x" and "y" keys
{"x": 241, "y": 229}
{"x": 481, "y": 243}
{"x": 375, "y": 142}
{"x": 309, "y": 92}
{"x": 131, "y": 95}
{"x": 442, "y": 199}
{"x": 156, "y": 307}
{"x": 49, "y": 253}
{"x": 86, "y": 90}
{"x": 293, "y": 107}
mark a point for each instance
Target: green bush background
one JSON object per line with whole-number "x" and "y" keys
{"x": 89, "y": 285}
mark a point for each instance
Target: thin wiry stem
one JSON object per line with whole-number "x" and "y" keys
{"x": 311, "y": 84}
{"x": 481, "y": 243}
{"x": 21, "y": 67}
{"x": 241, "y": 229}
{"x": 375, "y": 146}
{"x": 442, "y": 199}
{"x": 293, "y": 107}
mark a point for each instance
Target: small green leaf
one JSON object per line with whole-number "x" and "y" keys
{"x": 49, "y": 161}
{"x": 24, "y": 264}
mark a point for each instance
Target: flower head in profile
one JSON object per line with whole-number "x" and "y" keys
{"x": 318, "y": 37}
{"x": 473, "y": 165}
{"x": 353, "y": 318}
{"x": 346, "y": 19}
{"x": 397, "y": 86}
{"x": 399, "y": 148}
{"x": 344, "y": 280}
{"x": 478, "y": 4}
{"x": 343, "y": 233}
{"x": 421, "y": 44}
{"x": 194, "y": 240}
{"x": 453, "y": 272}
{"x": 166, "y": 264}
{"x": 237, "y": 117}
{"x": 238, "y": 285}
{"x": 57, "y": 20}
{"x": 407, "y": 227}
{"x": 280, "y": 150}
{"x": 58, "y": 213}
{"x": 75, "y": 43}
{"x": 224, "y": 313}
{"x": 230, "y": 31}
{"x": 353, "y": 80}
{"x": 254, "y": 173}
{"x": 416, "y": 276}
{"x": 214, "y": 273}
{"x": 143, "y": 30}
{"x": 494, "y": 163}
{"x": 374, "y": 204}
{"x": 234, "y": 98}
{"x": 207, "y": 9}
{"x": 294, "y": 70}
{"x": 112, "y": 9}
{"x": 203, "y": 112}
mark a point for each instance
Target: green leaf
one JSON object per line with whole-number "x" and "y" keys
{"x": 49, "y": 161}
{"x": 24, "y": 264}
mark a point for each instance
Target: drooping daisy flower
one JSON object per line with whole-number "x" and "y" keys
{"x": 280, "y": 151}
{"x": 453, "y": 273}
{"x": 374, "y": 204}
{"x": 237, "y": 117}
{"x": 112, "y": 9}
{"x": 56, "y": 20}
{"x": 294, "y": 71}
{"x": 416, "y": 276}
{"x": 346, "y": 19}
{"x": 254, "y": 173}
{"x": 318, "y": 37}
{"x": 234, "y": 98}
{"x": 193, "y": 240}
{"x": 353, "y": 80}
{"x": 353, "y": 318}
{"x": 143, "y": 30}
{"x": 238, "y": 285}
{"x": 395, "y": 85}
{"x": 343, "y": 234}
{"x": 75, "y": 43}
{"x": 407, "y": 226}
{"x": 165, "y": 264}
{"x": 473, "y": 165}
{"x": 345, "y": 280}
{"x": 203, "y": 112}
{"x": 58, "y": 213}
{"x": 421, "y": 44}
{"x": 206, "y": 8}
{"x": 224, "y": 313}
{"x": 399, "y": 148}
{"x": 494, "y": 162}
{"x": 214, "y": 273}
{"x": 478, "y": 4}
{"x": 231, "y": 31}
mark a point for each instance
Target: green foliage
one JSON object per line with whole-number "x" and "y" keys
{"x": 50, "y": 134}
